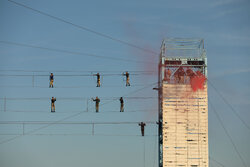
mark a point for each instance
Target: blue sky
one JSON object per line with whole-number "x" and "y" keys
{"x": 223, "y": 24}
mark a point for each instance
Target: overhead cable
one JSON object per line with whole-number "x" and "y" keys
{"x": 60, "y": 112}
{"x": 230, "y": 106}
{"x": 228, "y": 135}
{"x": 84, "y": 28}
{"x": 63, "y": 75}
{"x": 104, "y": 71}
{"x": 82, "y": 86}
{"x": 72, "y": 123}
{"x": 216, "y": 161}
{"x": 77, "y": 98}
{"x": 72, "y": 52}
{"x": 71, "y": 116}
{"x": 65, "y": 134}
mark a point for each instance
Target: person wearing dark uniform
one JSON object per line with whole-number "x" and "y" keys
{"x": 176, "y": 77}
{"x": 190, "y": 75}
{"x": 53, "y": 109}
{"x": 122, "y": 105}
{"x": 167, "y": 75}
{"x": 127, "y": 78}
{"x": 142, "y": 124}
{"x": 97, "y": 101}
{"x": 98, "y": 80}
{"x": 181, "y": 75}
{"x": 51, "y": 79}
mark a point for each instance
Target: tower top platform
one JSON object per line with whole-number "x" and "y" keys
{"x": 182, "y": 48}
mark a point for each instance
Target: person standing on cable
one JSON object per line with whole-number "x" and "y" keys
{"x": 122, "y": 105}
{"x": 127, "y": 78}
{"x": 142, "y": 124}
{"x": 97, "y": 101}
{"x": 98, "y": 79}
{"x": 51, "y": 79}
{"x": 53, "y": 109}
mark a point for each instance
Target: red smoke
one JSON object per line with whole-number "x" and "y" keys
{"x": 197, "y": 82}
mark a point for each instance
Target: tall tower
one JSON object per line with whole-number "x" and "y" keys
{"x": 183, "y": 107}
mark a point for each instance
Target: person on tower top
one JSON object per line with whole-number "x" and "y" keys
{"x": 181, "y": 74}
{"x": 168, "y": 75}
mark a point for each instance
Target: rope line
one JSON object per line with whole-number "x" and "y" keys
{"x": 84, "y": 28}
{"x": 72, "y": 52}
{"x": 69, "y": 117}
{"x": 72, "y": 123}
{"x": 73, "y": 71}
{"x": 230, "y": 106}
{"x": 217, "y": 162}
{"x": 228, "y": 135}
{"x": 76, "y": 98}
{"x": 69, "y": 75}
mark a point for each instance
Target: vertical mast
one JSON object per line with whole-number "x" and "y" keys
{"x": 160, "y": 74}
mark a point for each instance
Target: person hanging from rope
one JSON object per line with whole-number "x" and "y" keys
{"x": 53, "y": 109}
{"x": 122, "y": 105}
{"x": 127, "y": 78}
{"x": 98, "y": 79}
{"x": 142, "y": 124}
{"x": 51, "y": 79}
{"x": 97, "y": 101}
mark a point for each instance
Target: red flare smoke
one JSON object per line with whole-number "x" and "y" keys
{"x": 197, "y": 82}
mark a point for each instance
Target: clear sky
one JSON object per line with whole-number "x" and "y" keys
{"x": 223, "y": 24}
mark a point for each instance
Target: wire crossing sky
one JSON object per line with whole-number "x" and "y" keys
{"x": 77, "y": 38}
{"x": 71, "y": 52}
{"x": 83, "y": 28}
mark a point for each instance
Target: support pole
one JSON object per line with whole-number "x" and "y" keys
{"x": 160, "y": 75}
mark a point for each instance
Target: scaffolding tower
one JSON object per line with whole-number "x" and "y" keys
{"x": 183, "y": 107}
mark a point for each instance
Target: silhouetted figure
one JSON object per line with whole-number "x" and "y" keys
{"x": 51, "y": 79}
{"x": 167, "y": 75}
{"x": 190, "y": 75}
{"x": 53, "y": 108}
{"x": 142, "y": 124}
{"x": 122, "y": 105}
{"x": 98, "y": 80}
{"x": 181, "y": 74}
{"x": 127, "y": 78}
{"x": 97, "y": 101}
